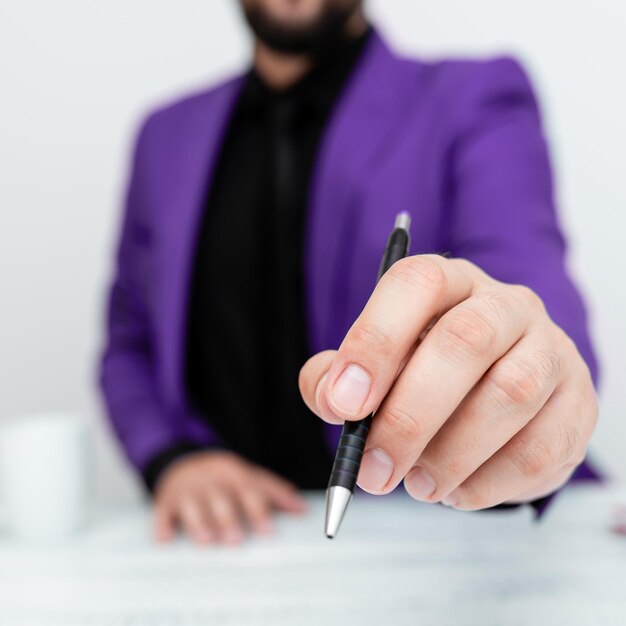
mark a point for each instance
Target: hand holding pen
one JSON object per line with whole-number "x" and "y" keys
{"x": 479, "y": 396}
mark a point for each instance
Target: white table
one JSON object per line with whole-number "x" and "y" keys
{"x": 395, "y": 562}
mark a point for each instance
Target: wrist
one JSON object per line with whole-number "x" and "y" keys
{"x": 164, "y": 459}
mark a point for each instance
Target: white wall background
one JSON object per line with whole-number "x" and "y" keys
{"x": 75, "y": 77}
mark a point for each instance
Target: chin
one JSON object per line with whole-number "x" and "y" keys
{"x": 293, "y": 13}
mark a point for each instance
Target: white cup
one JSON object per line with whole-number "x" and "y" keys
{"x": 44, "y": 475}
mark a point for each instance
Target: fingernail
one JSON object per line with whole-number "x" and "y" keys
{"x": 318, "y": 390}
{"x": 451, "y": 500}
{"x": 376, "y": 470}
{"x": 420, "y": 484}
{"x": 323, "y": 410}
{"x": 351, "y": 390}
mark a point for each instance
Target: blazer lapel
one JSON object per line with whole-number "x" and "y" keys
{"x": 362, "y": 120}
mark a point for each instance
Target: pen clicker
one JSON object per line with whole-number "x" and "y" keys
{"x": 354, "y": 434}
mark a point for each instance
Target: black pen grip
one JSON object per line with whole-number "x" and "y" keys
{"x": 349, "y": 453}
{"x": 396, "y": 249}
{"x": 354, "y": 434}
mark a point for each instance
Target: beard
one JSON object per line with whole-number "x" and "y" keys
{"x": 320, "y": 35}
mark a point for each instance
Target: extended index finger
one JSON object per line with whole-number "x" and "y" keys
{"x": 406, "y": 299}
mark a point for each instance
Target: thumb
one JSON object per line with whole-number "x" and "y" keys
{"x": 311, "y": 381}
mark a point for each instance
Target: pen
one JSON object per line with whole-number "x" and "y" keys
{"x": 354, "y": 434}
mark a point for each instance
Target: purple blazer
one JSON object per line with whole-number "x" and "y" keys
{"x": 458, "y": 144}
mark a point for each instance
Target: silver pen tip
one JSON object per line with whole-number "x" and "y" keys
{"x": 403, "y": 220}
{"x": 337, "y": 500}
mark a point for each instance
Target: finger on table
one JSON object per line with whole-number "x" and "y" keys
{"x": 282, "y": 494}
{"x": 255, "y": 508}
{"x": 164, "y": 523}
{"x": 224, "y": 510}
{"x": 194, "y": 521}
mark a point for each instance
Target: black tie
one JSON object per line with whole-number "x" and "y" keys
{"x": 293, "y": 433}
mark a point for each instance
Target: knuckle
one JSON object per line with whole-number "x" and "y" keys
{"x": 467, "y": 267}
{"x": 548, "y": 366}
{"x": 594, "y": 407}
{"x": 253, "y": 503}
{"x": 529, "y": 297}
{"x": 521, "y": 382}
{"x": 518, "y": 390}
{"x": 533, "y": 458}
{"x": 497, "y": 302}
{"x": 397, "y": 419}
{"x": 369, "y": 338}
{"x": 566, "y": 345}
{"x": 420, "y": 272}
{"x": 224, "y": 510}
{"x": 465, "y": 333}
{"x": 450, "y": 470}
{"x": 187, "y": 507}
{"x": 575, "y": 461}
{"x": 451, "y": 462}
{"x": 570, "y": 447}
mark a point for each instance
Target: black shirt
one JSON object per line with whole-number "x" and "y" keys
{"x": 247, "y": 331}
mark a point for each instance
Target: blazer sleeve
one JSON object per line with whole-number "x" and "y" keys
{"x": 128, "y": 369}
{"x": 502, "y": 209}
{"x": 502, "y": 213}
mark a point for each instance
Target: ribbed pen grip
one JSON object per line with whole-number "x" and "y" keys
{"x": 349, "y": 453}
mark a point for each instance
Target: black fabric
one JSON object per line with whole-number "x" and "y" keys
{"x": 152, "y": 472}
{"x": 247, "y": 332}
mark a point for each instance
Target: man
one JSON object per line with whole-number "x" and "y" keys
{"x": 257, "y": 213}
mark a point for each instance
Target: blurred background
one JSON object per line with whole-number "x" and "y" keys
{"x": 76, "y": 78}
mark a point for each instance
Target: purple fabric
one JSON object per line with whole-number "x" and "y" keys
{"x": 458, "y": 144}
